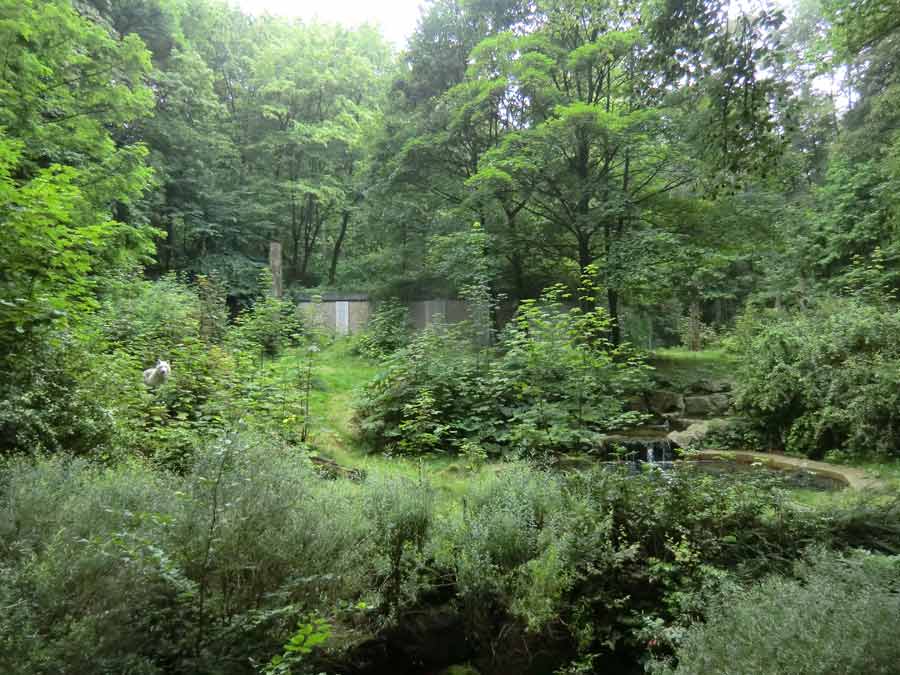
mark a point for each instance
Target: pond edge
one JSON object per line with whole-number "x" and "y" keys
{"x": 856, "y": 479}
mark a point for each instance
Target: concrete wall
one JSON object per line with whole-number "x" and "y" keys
{"x": 349, "y": 314}
{"x": 425, "y": 312}
{"x": 343, "y": 317}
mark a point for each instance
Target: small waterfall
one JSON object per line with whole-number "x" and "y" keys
{"x": 641, "y": 446}
{"x": 666, "y": 450}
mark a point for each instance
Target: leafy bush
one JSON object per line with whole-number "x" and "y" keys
{"x": 400, "y": 512}
{"x": 823, "y": 380}
{"x": 616, "y": 561}
{"x": 130, "y": 569}
{"x": 388, "y": 330}
{"x": 554, "y": 385}
{"x": 139, "y": 322}
{"x": 836, "y": 615}
{"x": 559, "y": 380}
{"x": 734, "y": 434}
{"x": 432, "y": 395}
{"x": 164, "y": 574}
{"x": 268, "y": 326}
{"x": 82, "y": 390}
{"x": 48, "y": 402}
{"x": 148, "y": 318}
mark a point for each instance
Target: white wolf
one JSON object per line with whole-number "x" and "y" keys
{"x": 155, "y": 376}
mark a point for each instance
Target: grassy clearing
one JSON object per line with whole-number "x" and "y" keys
{"x": 339, "y": 377}
{"x": 682, "y": 367}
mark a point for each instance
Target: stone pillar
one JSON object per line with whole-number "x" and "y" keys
{"x": 275, "y": 266}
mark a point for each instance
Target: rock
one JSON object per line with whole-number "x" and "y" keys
{"x": 709, "y": 387}
{"x": 637, "y": 404}
{"x": 705, "y": 406}
{"x": 661, "y": 402}
{"x": 690, "y": 436}
{"x": 677, "y": 422}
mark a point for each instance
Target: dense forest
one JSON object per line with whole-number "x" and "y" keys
{"x": 674, "y": 227}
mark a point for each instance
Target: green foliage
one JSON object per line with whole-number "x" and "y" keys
{"x": 463, "y": 259}
{"x": 834, "y": 615}
{"x": 91, "y": 399}
{"x": 218, "y": 563}
{"x": 213, "y": 310}
{"x": 430, "y": 388}
{"x": 735, "y": 434}
{"x": 555, "y": 384}
{"x": 309, "y": 635}
{"x": 560, "y": 377}
{"x": 400, "y": 513}
{"x": 66, "y": 89}
{"x": 49, "y": 401}
{"x": 387, "y": 331}
{"x": 213, "y": 565}
{"x": 81, "y": 390}
{"x": 617, "y": 560}
{"x": 138, "y": 323}
{"x": 269, "y": 325}
{"x": 697, "y": 335}
{"x": 820, "y": 381}
{"x": 629, "y": 143}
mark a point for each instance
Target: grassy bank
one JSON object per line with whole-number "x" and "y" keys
{"x": 339, "y": 377}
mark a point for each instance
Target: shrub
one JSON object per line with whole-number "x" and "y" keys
{"x": 388, "y": 330}
{"x": 823, "y": 379}
{"x": 268, "y": 326}
{"x": 555, "y": 384}
{"x": 595, "y": 559}
{"x": 82, "y": 390}
{"x": 400, "y": 512}
{"x": 432, "y": 395}
{"x": 836, "y": 615}
{"x": 128, "y": 570}
{"x": 148, "y": 319}
{"x": 559, "y": 380}
{"x": 498, "y": 531}
{"x": 48, "y": 402}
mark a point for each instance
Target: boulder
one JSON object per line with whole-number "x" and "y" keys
{"x": 710, "y": 387}
{"x": 705, "y": 406}
{"x": 637, "y": 404}
{"x": 690, "y": 436}
{"x": 677, "y": 422}
{"x": 662, "y": 402}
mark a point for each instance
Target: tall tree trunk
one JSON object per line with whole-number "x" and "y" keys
{"x": 615, "y": 331}
{"x": 515, "y": 262}
{"x": 584, "y": 261}
{"x": 169, "y": 246}
{"x": 345, "y": 219}
{"x": 694, "y": 327}
{"x": 295, "y": 236}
